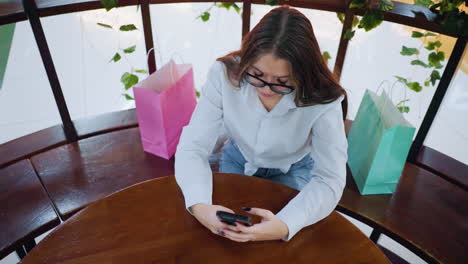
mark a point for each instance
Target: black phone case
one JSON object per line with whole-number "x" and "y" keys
{"x": 230, "y": 218}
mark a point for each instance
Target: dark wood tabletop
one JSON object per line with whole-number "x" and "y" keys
{"x": 148, "y": 223}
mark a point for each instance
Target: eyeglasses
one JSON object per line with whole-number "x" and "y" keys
{"x": 275, "y": 87}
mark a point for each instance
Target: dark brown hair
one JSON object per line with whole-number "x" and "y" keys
{"x": 287, "y": 33}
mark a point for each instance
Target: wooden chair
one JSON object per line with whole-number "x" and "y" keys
{"x": 25, "y": 209}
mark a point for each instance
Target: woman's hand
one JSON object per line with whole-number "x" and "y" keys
{"x": 270, "y": 228}
{"x": 206, "y": 215}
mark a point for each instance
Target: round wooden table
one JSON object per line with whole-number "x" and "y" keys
{"x": 148, "y": 223}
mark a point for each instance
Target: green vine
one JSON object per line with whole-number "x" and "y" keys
{"x": 372, "y": 18}
{"x": 448, "y": 14}
{"x": 449, "y": 17}
{"x": 130, "y": 78}
{"x": 205, "y": 16}
{"x": 433, "y": 63}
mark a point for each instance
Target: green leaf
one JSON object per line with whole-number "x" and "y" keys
{"x": 355, "y": 21}
{"x": 198, "y": 94}
{"x": 415, "y": 86}
{"x": 326, "y": 56}
{"x": 357, "y": 3}
{"x": 128, "y": 80}
{"x": 405, "y": 51}
{"x": 425, "y": 3}
{"x": 435, "y": 75}
{"x": 441, "y": 55}
{"x": 426, "y": 83}
{"x": 403, "y": 101}
{"x": 371, "y": 19}
{"x": 349, "y": 34}
{"x": 401, "y": 79}
{"x": 130, "y": 49}
{"x": 437, "y": 65}
{"x": 431, "y": 45}
{"x": 417, "y": 34}
{"x": 129, "y": 27}
{"x": 225, "y": 5}
{"x": 385, "y": 5}
{"x": 237, "y": 8}
{"x": 141, "y": 71}
{"x": 116, "y": 57}
{"x": 109, "y": 4}
{"x": 128, "y": 97}
{"x": 272, "y": 2}
{"x": 205, "y": 16}
{"x": 403, "y": 109}
{"x": 420, "y": 63}
{"x": 104, "y": 25}
{"x": 453, "y": 22}
{"x": 435, "y": 58}
{"x": 430, "y": 34}
{"x": 340, "y": 16}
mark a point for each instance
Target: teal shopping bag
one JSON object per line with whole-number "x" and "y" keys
{"x": 378, "y": 144}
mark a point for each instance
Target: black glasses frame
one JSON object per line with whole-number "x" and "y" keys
{"x": 271, "y": 85}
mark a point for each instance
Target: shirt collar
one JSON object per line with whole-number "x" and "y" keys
{"x": 285, "y": 104}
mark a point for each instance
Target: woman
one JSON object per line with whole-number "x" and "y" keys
{"x": 282, "y": 109}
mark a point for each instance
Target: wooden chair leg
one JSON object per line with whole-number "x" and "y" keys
{"x": 375, "y": 235}
{"x": 24, "y": 249}
{"x": 21, "y": 252}
{"x": 394, "y": 258}
{"x": 29, "y": 245}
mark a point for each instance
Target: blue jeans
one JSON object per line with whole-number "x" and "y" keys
{"x": 232, "y": 161}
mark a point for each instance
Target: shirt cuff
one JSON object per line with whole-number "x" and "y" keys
{"x": 197, "y": 194}
{"x": 293, "y": 221}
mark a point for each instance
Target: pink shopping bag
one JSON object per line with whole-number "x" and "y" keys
{"x": 165, "y": 102}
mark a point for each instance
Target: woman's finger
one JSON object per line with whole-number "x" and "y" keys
{"x": 223, "y": 225}
{"x": 261, "y": 212}
{"x": 232, "y": 228}
{"x": 222, "y": 208}
{"x": 242, "y": 228}
{"x": 240, "y": 237}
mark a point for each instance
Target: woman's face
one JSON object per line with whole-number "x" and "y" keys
{"x": 272, "y": 70}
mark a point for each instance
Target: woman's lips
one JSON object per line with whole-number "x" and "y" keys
{"x": 267, "y": 95}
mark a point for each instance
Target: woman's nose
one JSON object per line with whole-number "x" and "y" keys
{"x": 270, "y": 80}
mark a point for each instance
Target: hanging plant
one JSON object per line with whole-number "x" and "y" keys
{"x": 449, "y": 15}
{"x": 432, "y": 65}
{"x": 372, "y": 18}
{"x": 205, "y": 16}
{"x": 129, "y": 78}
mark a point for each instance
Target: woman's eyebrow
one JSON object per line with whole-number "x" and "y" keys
{"x": 273, "y": 76}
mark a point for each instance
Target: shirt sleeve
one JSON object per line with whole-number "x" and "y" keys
{"x": 192, "y": 170}
{"x": 320, "y": 196}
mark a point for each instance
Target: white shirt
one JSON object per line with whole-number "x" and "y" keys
{"x": 274, "y": 139}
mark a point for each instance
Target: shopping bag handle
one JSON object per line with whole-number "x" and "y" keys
{"x": 391, "y": 93}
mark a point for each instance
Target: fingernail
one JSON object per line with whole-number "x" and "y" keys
{"x": 246, "y": 208}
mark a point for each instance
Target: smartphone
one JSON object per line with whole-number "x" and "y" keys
{"x": 230, "y": 219}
